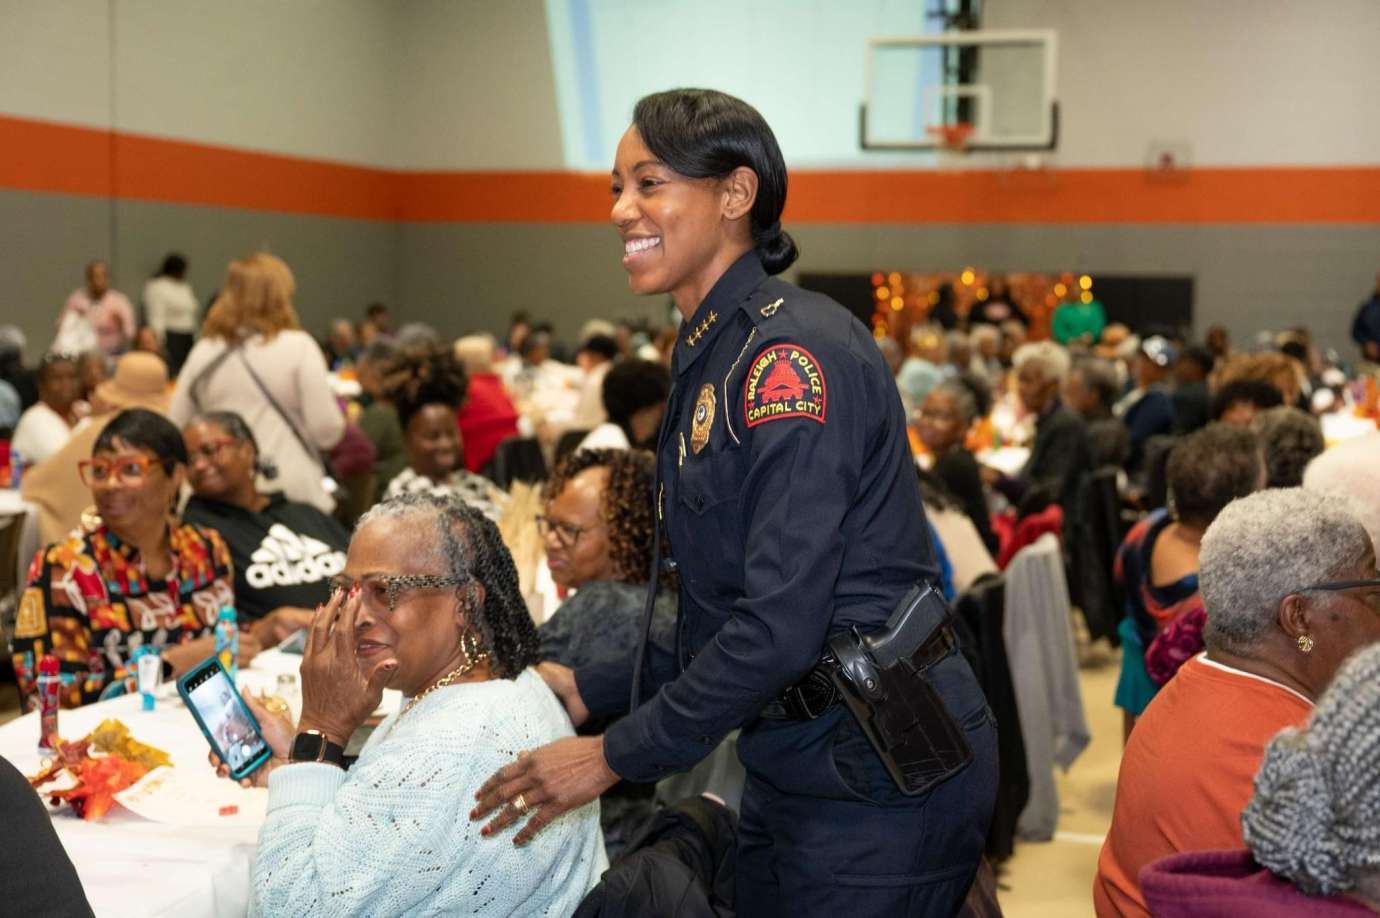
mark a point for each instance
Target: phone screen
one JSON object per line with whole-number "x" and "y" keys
{"x": 224, "y": 718}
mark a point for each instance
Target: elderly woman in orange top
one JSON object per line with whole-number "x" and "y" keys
{"x": 1284, "y": 610}
{"x": 137, "y": 577}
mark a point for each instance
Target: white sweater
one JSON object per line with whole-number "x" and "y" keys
{"x": 393, "y": 836}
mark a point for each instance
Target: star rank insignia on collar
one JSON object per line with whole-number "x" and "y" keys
{"x": 694, "y": 337}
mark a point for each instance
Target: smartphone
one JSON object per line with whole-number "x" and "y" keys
{"x": 224, "y": 718}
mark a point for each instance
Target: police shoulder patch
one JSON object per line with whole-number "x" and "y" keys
{"x": 784, "y": 381}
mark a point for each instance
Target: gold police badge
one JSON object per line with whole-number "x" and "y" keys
{"x": 703, "y": 418}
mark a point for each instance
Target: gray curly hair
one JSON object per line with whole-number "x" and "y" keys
{"x": 1315, "y": 816}
{"x": 1265, "y": 546}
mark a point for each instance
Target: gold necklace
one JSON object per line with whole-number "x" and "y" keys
{"x": 469, "y": 664}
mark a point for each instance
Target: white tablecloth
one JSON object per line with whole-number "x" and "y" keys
{"x": 1008, "y": 460}
{"x": 130, "y": 866}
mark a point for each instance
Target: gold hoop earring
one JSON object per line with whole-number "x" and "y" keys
{"x": 471, "y": 650}
{"x": 1305, "y": 643}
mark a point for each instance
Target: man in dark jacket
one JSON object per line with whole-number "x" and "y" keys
{"x": 1059, "y": 455}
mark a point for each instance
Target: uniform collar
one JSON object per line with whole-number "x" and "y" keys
{"x": 734, "y": 287}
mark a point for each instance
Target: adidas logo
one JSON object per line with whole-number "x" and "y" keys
{"x": 285, "y": 558}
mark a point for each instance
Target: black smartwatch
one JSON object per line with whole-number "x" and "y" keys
{"x": 312, "y": 746}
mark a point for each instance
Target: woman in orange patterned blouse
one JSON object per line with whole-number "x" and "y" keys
{"x": 135, "y": 577}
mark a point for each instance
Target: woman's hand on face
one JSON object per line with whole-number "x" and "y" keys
{"x": 551, "y": 780}
{"x": 561, "y": 680}
{"x": 337, "y": 694}
{"x": 278, "y": 731}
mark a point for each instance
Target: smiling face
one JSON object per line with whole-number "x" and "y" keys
{"x": 220, "y": 465}
{"x": 137, "y": 494}
{"x": 679, "y": 234}
{"x": 941, "y": 426}
{"x": 423, "y": 629}
{"x": 433, "y": 441}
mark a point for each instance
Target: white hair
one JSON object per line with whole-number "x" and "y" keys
{"x": 1351, "y": 471}
{"x": 1052, "y": 358}
{"x": 475, "y": 353}
{"x": 984, "y": 332}
{"x": 1265, "y": 546}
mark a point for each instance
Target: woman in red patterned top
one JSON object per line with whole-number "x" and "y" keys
{"x": 134, "y": 577}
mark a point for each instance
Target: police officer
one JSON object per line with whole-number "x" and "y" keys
{"x": 790, "y": 504}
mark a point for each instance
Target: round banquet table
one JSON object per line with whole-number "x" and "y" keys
{"x": 187, "y": 860}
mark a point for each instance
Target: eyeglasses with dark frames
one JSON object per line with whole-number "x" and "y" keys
{"x": 383, "y": 590}
{"x": 1338, "y": 586}
{"x": 566, "y": 533}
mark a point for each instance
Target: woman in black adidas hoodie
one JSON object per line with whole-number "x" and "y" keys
{"x": 285, "y": 553}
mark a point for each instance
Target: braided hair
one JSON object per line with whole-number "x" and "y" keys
{"x": 470, "y": 547}
{"x": 627, "y": 504}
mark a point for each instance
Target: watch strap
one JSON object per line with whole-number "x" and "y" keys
{"x": 313, "y": 746}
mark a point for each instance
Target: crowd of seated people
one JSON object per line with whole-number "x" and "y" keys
{"x": 164, "y": 497}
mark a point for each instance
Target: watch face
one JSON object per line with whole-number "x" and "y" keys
{"x": 307, "y": 747}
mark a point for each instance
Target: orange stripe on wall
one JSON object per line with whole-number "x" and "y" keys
{"x": 47, "y": 157}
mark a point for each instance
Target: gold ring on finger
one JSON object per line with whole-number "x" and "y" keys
{"x": 520, "y": 803}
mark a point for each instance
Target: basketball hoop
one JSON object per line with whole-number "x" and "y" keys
{"x": 952, "y": 137}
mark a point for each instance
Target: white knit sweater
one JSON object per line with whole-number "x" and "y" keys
{"x": 393, "y": 836}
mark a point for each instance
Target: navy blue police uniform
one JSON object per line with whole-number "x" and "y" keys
{"x": 791, "y": 508}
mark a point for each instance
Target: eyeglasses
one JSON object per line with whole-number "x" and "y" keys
{"x": 211, "y": 451}
{"x": 566, "y": 533}
{"x": 132, "y": 469}
{"x": 381, "y": 591}
{"x": 1338, "y": 586}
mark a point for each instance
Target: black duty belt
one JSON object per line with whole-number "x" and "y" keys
{"x": 815, "y": 694}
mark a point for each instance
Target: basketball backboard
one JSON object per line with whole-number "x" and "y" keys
{"x": 994, "y": 90}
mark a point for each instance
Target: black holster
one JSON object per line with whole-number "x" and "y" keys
{"x": 882, "y": 678}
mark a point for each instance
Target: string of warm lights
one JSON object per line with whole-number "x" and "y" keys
{"x": 906, "y": 299}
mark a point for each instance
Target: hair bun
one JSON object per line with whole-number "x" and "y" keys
{"x": 776, "y": 248}
{"x": 1289, "y": 825}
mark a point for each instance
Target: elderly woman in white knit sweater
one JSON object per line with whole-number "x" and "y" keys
{"x": 432, "y": 609}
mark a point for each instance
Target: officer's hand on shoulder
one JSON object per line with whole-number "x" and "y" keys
{"x": 561, "y": 680}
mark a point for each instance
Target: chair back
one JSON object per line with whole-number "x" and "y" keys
{"x": 518, "y": 459}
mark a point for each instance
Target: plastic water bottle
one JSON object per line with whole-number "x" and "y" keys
{"x": 49, "y": 681}
{"x": 228, "y": 640}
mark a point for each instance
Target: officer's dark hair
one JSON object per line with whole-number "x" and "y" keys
{"x": 703, "y": 133}
{"x": 1197, "y": 353}
{"x": 633, "y": 385}
{"x": 144, "y": 429}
